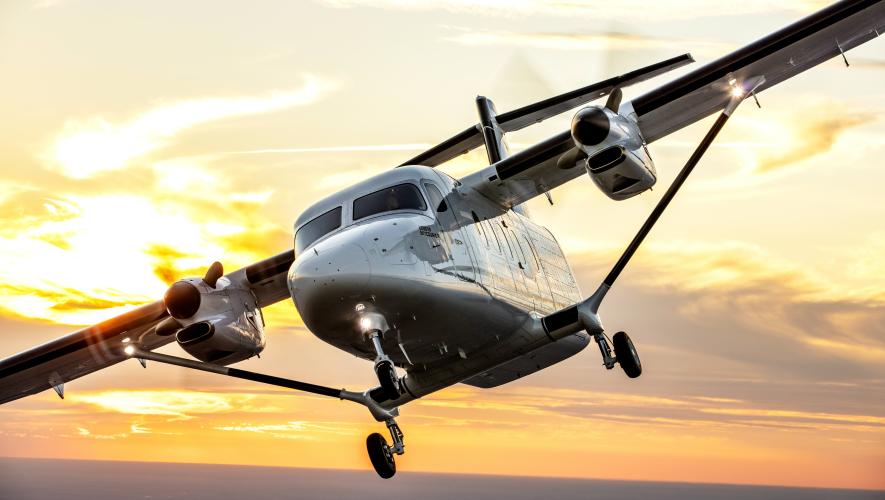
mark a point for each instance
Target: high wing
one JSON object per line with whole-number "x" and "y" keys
{"x": 518, "y": 119}
{"x": 825, "y": 34}
{"x": 784, "y": 54}
{"x": 99, "y": 346}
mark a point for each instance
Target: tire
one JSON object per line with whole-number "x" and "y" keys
{"x": 380, "y": 455}
{"x": 388, "y": 379}
{"x": 626, "y": 355}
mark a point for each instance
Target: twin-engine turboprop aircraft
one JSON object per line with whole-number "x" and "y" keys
{"x": 449, "y": 280}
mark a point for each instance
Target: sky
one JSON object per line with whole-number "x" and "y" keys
{"x": 139, "y": 142}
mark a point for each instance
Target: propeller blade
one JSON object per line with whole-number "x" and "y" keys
{"x": 215, "y": 271}
{"x": 167, "y": 327}
{"x": 614, "y": 100}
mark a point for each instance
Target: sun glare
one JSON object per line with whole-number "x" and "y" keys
{"x": 112, "y": 252}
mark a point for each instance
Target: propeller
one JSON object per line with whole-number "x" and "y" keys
{"x": 590, "y": 126}
{"x": 182, "y": 299}
{"x": 215, "y": 271}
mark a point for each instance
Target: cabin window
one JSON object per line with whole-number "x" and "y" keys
{"x": 317, "y": 228}
{"x": 399, "y": 197}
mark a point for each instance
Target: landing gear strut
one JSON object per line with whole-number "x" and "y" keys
{"x": 381, "y": 454}
{"x": 625, "y": 353}
{"x": 384, "y": 369}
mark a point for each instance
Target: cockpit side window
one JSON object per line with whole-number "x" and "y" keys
{"x": 399, "y": 197}
{"x": 317, "y": 228}
{"x": 437, "y": 202}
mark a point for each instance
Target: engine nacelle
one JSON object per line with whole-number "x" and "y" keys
{"x": 221, "y": 324}
{"x": 616, "y": 157}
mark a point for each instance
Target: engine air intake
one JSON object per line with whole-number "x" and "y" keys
{"x": 195, "y": 333}
{"x": 605, "y": 159}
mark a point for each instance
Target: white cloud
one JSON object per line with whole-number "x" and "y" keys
{"x": 91, "y": 146}
{"x": 584, "y": 41}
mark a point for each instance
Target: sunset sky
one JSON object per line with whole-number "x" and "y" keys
{"x": 141, "y": 141}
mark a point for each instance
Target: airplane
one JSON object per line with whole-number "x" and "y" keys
{"x": 450, "y": 280}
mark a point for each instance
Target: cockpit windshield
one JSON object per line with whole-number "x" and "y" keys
{"x": 399, "y": 197}
{"x": 317, "y": 228}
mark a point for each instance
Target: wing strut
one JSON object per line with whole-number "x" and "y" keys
{"x": 739, "y": 93}
{"x": 363, "y": 398}
{"x": 584, "y": 315}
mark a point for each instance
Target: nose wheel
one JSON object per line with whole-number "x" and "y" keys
{"x": 624, "y": 353}
{"x": 381, "y": 454}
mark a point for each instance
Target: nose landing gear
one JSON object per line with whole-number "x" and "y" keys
{"x": 381, "y": 454}
{"x": 625, "y": 353}
{"x": 384, "y": 369}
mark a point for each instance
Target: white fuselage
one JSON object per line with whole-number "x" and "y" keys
{"x": 456, "y": 281}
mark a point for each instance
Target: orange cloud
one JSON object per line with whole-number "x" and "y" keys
{"x": 810, "y": 134}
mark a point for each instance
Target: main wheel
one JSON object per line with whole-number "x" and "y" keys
{"x": 380, "y": 455}
{"x": 626, "y": 355}
{"x": 388, "y": 379}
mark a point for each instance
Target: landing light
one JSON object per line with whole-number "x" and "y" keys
{"x": 365, "y": 323}
{"x": 129, "y": 350}
{"x": 737, "y": 92}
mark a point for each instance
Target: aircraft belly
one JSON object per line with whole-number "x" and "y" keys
{"x": 530, "y": 363}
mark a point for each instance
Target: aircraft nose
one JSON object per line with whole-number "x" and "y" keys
{"x": 327, "y": 272}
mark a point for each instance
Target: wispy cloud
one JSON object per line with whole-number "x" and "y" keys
{"x": 867, "y": 63}
{"x": 762, "y": 295}
{"x": 813, "y": 134}
{"x": 336, "y": 149}
{"x": 172, "y": 403}
{"x": 86, "y": 147}
{"x": 585, "y": 41}
{"x": 301, "y": 430}
{"x": 647, "y": 11}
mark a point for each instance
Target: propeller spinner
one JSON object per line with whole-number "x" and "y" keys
{"x": 182, "y": 299}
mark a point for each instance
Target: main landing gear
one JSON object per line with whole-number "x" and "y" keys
{"x": 625, "y": 353}
{"x": 381, "y": 454}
